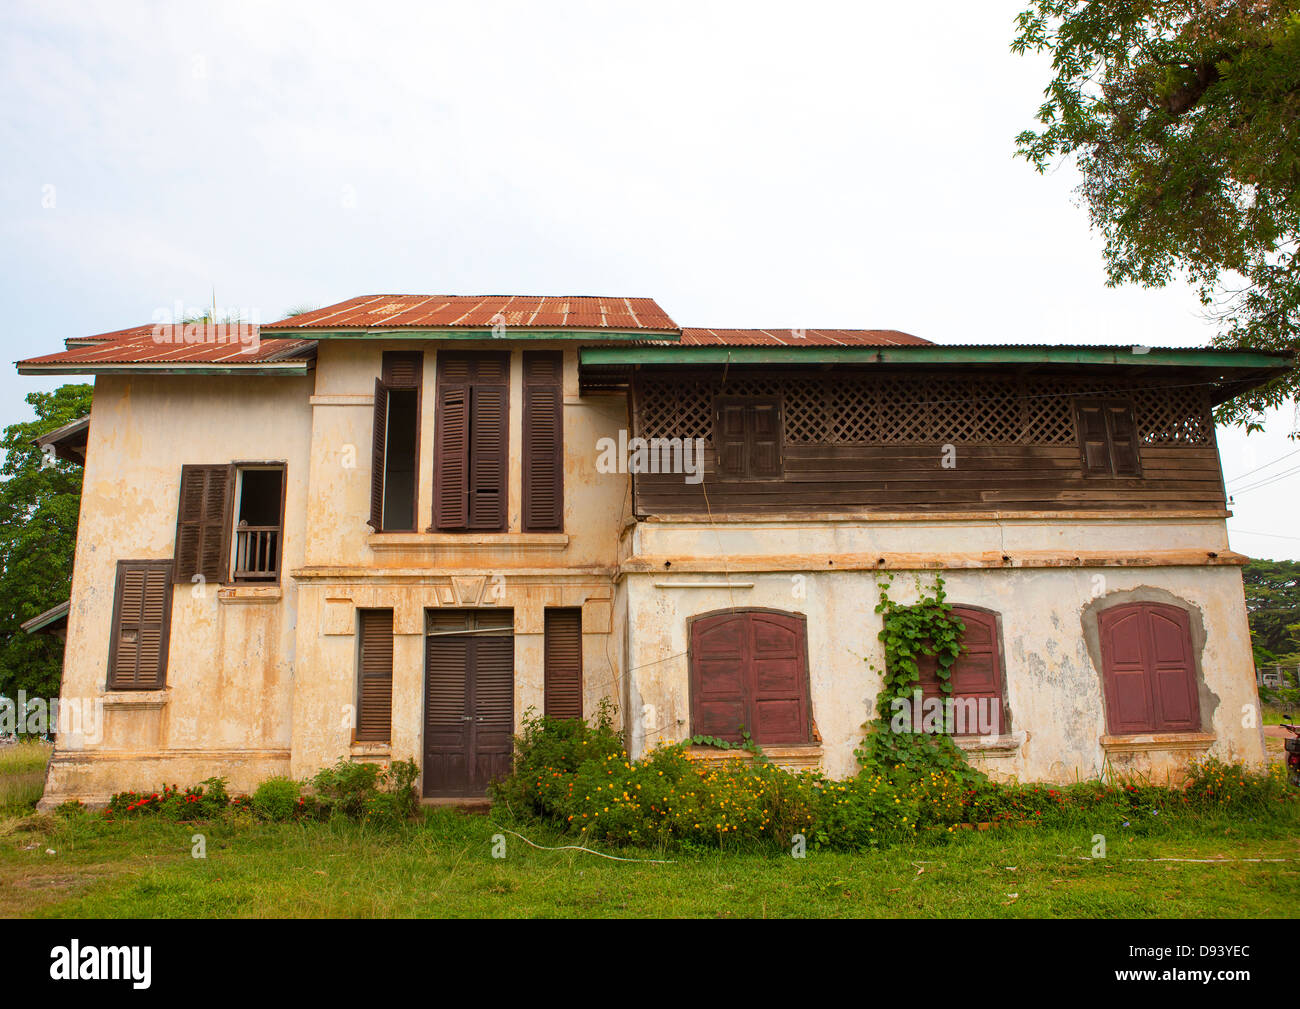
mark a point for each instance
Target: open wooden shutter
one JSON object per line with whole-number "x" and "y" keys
{"x": 137, "y": 651}
{"x": 451, "y": 458}
{"x": 543, "y": 458}
{"x": 562, "y": 663}
{"x": 375, "y": 689}
{"x": 203, "y": 524}
{"x": 378, "y": 444}
{"x": 1123, "y": 438}
{"x": 489, "y": 443}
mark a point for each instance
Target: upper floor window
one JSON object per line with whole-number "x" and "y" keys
{"x": 1108, "y": 437}
{"x": 395, "y": 437}
{"x": 747, "y": 437}
{"x": 229, "y": 523}
{"x": 471, "y": 441}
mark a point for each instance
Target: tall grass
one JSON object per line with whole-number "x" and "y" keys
{"x": 22, "y": 774}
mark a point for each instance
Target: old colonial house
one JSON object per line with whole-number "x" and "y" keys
{"x": 390, "y": 527}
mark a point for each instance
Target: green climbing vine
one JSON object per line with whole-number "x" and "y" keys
{"x": 909, "y": 632}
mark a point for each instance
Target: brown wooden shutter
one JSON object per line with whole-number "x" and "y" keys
{"x": 729, "y": 440}
{"x": 375, "y": 687}
{"x": 378, "y": 444}
{"x": 494, "y": 706}
{"x": 1092, "y": 438}
{"x": 402, "y": 369}
{"x": 1148, "y": 668}
{"x": 137, "y": 650}
{"x": 543, "y": 456}
{"x": 763, "y": 438}
{"x": 977, "y": 672}
{"x": 203, "y": 524}
{"x": 489, "y": 442}
{"x": 451, "y": 458}
{"x": 562, "y": 663}
{"x": 1122, "y": 431}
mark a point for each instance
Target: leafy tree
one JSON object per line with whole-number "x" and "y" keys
{"x": 1184, "y": 117}
{"x": 39, "y": 504}
{"x": 1273, "y": 606}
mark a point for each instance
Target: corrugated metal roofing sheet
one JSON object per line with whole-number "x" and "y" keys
{"x": 422, "y": 311}
{"x": 142, "y": 345}
{"x": 797, "y": 338}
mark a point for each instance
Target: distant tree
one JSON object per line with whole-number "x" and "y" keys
{"x": 39, "y": 504}
{"x": 1184, "y": 116}
{"x": 1273, "y": 609}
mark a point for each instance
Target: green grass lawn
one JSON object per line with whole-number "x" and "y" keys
{"x": 443, "y": 866}
{"x": 22, "y": 775}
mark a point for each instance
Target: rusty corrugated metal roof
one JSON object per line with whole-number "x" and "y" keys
{"x": 423, "y": 311}
{"x": 797, "y": 338}
{"x": 167, "y": 345}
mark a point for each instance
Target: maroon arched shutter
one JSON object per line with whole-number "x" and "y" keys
{"x": 1148, "y": 669}
{"x": 975, "y": 675}
{"x": 749, "y": 669}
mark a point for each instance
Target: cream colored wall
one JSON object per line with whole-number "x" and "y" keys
{"x": 226, "y": 707}
{"x": 1054, "y": 688}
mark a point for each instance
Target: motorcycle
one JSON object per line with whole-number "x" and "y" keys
{"x": 1292, "y": 747}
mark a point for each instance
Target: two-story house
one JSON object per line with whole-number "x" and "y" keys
{"x": 390, "y": 527}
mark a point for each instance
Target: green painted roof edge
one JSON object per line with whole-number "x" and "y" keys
{"x": 936, "y": 354}
{"x": 294, "y": 367}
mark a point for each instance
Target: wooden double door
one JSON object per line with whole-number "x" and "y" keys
{"x": 469, "y": 689}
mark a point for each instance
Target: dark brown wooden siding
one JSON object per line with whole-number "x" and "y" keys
{"x": 142, "y": 603}
{"x": 562, "y": 664}
{"x": 930, "y": 444}
{"x": 375, "y": 676}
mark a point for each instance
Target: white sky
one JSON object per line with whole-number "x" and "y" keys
{"x": 745, "y": 164}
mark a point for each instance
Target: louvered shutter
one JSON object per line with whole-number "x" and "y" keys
{"x": 729, "y": 440}
{"x": 203, "y": 524}
{"x": 378, "y": 444}
{"x": 1123, "y": 439}
{"x": 1092, "y": 438}
{"x": 543, "y": 459}
{"x": 375, "y": 688}
{"x": 447, "y": 721}
{"x": 137, "y": 653}
{"x": 451, "y": 458}
{"x": 562, "y": 664}
{"x": 493, "y": 674}
{"x": 402, "y": 369}
{"x": 488, "y": 447}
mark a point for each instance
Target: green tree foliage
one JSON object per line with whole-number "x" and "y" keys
{"x": 1273, "y": 607}
{"x": 39, "y": 505}
{"x": 1184, "y": 117}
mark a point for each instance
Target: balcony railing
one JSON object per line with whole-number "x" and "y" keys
{"x": 257, "y": 553}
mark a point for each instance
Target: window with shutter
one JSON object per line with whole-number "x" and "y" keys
{"x": 1148, "y": 669}
{"x": 137, "y": 649}
{"x": 471, "y": 442}
{"x": 1108, "y": 440}
{"x": 543, "y": 457}
{"x": 976, "y": 677}
{"x": 203, "y": 523}
{"x": 374, "y": 675}
{"x": 747, "y": 438}
{"x": 562, "y": 663}
{"x": 395, "y": 442}
{"x": 749, "y": 671}
{"x": 259, "y": 520}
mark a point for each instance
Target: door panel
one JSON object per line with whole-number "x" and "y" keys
{"x": 469, "y": 713}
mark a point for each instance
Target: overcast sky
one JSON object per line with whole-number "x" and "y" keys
{"x": 748, "y": 164}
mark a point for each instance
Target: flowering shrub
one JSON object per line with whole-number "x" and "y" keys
{"x": 578, "y": 778}
{"x": 199, "y": 802}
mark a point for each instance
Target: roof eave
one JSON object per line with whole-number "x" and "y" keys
{"x": 296, "y": 367}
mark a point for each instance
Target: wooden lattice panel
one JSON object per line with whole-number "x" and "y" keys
{"x": 891, "y": 409}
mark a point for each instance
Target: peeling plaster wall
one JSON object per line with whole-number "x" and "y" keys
{"x": 226, "y": 708}
{"x": 1053, "y": 688}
